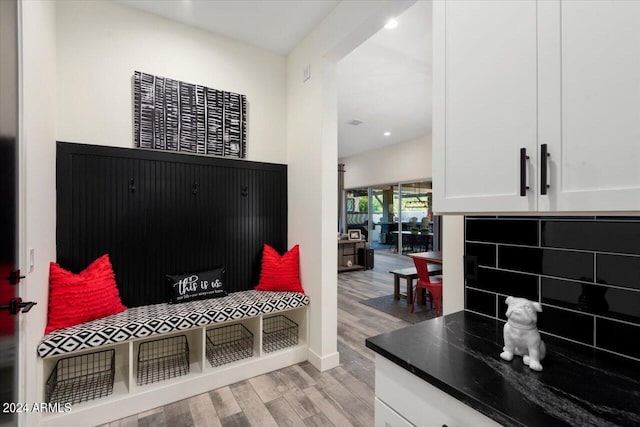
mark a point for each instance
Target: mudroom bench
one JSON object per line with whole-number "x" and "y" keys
{"x": 157, "y": 354}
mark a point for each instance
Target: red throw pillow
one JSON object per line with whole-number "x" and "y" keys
{"x": 78, "y": 298}
{"x": 280, "y": 273}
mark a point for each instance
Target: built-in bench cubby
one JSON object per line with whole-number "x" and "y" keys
{"x": 157, "y": 214}
{"x": 77, "y": 379}
{"x": 226, "y": 344}
{"x": 199, "y": 349}
{"x": 279, "y": 332}
{"x": 162, "y": 359}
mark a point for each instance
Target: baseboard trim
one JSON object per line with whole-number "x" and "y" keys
{"x": 323, "y": 363}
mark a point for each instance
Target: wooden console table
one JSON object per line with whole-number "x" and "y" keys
{"x": 348, "y": 251}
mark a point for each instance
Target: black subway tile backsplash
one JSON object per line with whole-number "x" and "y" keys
{"x": 618, "y": 270}
{"x": 514, "y": 231}
{"x": 601, "y": 236}
{"x": 485, "y": 253}
{"x": 620, "y": 337}
{"x": 617, "y": 218}
{"x": 502, "y": 307}
{"x": 623, "y": 304}
{"x": 567, "y": 324}
{"x": 574, "y": 295}
{"x": 597, "y": 305}
{"x": 604, "y": 301}
{"x": 481, "y": 302}
{"x": 506, "y": 283}
{"x": 549, "y": 262}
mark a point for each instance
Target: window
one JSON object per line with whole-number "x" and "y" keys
{"x": 396, "y": 217}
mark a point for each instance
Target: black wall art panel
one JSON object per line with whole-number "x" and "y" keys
{"x": 158, "y": 214}
{"x": 585, "y": 271}
{"x": 176, "y": 116}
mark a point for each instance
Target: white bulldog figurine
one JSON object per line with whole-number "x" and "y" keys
{"x": 521, "y": 336}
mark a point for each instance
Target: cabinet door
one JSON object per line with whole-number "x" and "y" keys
{"x": 387, "y": 417}
{"x": 406, "y": 396}
{"x": 485, "y": 105}
{"x": 594, "y": 143}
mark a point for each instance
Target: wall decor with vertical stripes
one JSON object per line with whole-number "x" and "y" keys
{"x": 157, "y": 213}
{"x": 172, "y": 115}
{"x": 585, "y": 271}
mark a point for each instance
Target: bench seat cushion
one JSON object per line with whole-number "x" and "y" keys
{"x": 145, "y": 321}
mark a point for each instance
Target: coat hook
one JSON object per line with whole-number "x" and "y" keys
{"x": 132, "y": 186}
{"x": 245, "y": 191}
{"x": 194, "y": 188}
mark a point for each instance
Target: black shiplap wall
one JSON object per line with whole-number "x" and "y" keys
{"x": 162, "y": 213}
{"x": 585, "y": 271}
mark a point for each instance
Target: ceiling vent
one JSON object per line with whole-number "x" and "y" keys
{"x": 355, "y": 122}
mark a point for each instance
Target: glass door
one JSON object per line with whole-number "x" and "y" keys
{"x": 417, "y": 221}
{"x": 357, "y": 208}
{"x": 381, "y": 217}
{"x": 397, "y": 218}
{"x": 9, "y": 276}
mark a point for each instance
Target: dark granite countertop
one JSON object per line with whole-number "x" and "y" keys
{"x": 459, "y": 354}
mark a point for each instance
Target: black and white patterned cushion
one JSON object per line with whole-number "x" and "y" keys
{"x": 141, "y": 322}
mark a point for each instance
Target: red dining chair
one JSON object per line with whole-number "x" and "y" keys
{"x": 431, "y": 284}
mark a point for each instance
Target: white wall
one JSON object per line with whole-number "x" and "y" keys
{"x": 99, "y": 46}
{"x": 37, "y": 187}
{"x": 453, "y": 271}
{"x": 8, "y": 71}
{"x": 408, "y": 161}
{"x": 312, "y": 155}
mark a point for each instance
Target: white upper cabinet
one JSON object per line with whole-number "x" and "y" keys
{"x": 591, "y": 83}
{"x": 485, "y": 101}
{"x": 560, "y": 76}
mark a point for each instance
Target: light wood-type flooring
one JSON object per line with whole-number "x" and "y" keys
{"x": 300, "y": 395}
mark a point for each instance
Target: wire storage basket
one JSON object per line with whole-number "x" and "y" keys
{"x": 278, "y": 332}
{"x": 159, "y": 360}
{"x": 227, "y": 344}
{"x": 81, "y": 378}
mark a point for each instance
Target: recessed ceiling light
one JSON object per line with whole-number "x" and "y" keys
{"x": 387, "y": 133}
{"x": 391, "y": 24}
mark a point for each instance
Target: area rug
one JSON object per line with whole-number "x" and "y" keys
{"x": 400, "y": 308}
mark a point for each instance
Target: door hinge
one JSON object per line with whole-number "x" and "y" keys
{"x": 14, "y": 277}
{"x": 16, "y": 306}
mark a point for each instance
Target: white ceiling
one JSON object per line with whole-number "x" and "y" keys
{"x": 276, "y": 25}
{"x": 385, "y": 82}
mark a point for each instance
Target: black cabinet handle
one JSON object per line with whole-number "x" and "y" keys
{"x": 14, "y": 277}
{"x": 544, "y": 154}
{"x": 16, "y": 306}
{"x": 470, "y": 267}
{"x": 523, "y": 172}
